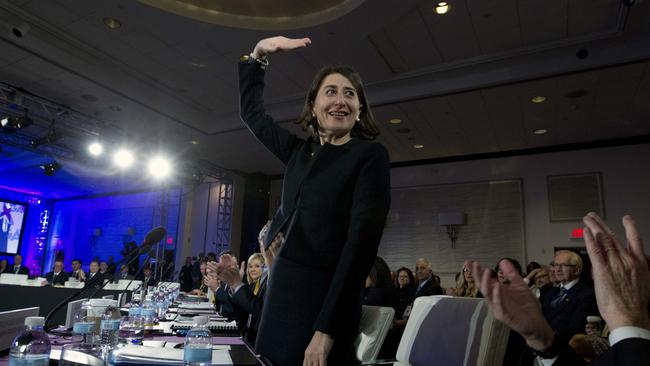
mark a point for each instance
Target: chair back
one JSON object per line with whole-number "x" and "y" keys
{"x": 373, "y": 327}
{"x": 452, "y": 331}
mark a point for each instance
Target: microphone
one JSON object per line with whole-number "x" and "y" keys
{"x": 152, "y": 237}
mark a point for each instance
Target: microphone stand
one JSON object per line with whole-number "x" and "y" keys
{"x": 133, "y": 255}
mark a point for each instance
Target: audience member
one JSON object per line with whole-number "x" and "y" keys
{"x": 58, "y": 276}
{"x": 124, "y": 273}
{"x": 566, "y": 307}
{"x": 103, "y": 269}
{"x": 77, "y": 272}
{"x": 147, "y": 277}
{"x": 622, "y": 288}
{"x": 3, "y": 265}
{"x": 93, "y": 270}
{"x": 185, "y": 276}
{"x": 424, "y": 274}
{"x": 402, "y": 303}
{"x": 497, "y": 269}
{"x": 465, "y": 284}
{"x": 17, "y": 267}
{"x": 379, "y": 290}
{"x": 539, "y": 281}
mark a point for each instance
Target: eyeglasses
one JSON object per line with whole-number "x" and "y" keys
{"x": 565, "y": 265}
{"x": 466, "y": 270}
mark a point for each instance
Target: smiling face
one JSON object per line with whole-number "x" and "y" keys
{"x": 403, "y": 278}
{"x": 254, "y": 269}
{"x": 336, "y": 106}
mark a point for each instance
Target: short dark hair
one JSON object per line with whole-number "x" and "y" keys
{"x": 514, "y": 262}
{"x": 366, "y": 128}
{"x": 77, "y": 260}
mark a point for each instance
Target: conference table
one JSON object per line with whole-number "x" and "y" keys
{"x": 240, "y": 352}
{"x": 14, "y": 297}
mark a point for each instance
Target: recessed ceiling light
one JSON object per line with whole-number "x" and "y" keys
{"x": 395, "y": 121}
{"x": 95, "y": 149}
{"x": 540, "y": 131}
{"x": 112, "y": 23}
{"x": 442, "y": 7}
{"x": 418, "y": 146}
{"x": 194, "y": 142}
{"x": 538, "y": 99}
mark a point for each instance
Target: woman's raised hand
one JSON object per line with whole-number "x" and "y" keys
{"x": 278, "y": 44}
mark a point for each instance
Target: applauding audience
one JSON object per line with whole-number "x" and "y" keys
{"x": 622, "y": 288}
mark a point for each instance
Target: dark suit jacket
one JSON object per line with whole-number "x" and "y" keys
{"x": 570, "y": 316}
{"x": 22, "y": 270}
{"x": 430, "y": 288}
{"x": 58, "y": 280}
{"x": 631, "y": 351}
{"x": 251, "y": 305}
{"x": 336, "y": 198}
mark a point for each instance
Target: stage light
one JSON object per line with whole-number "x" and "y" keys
{"x": 95, "y": 149}
{"x": 51, "y": 168}
{"x": 442, "y": 7}
{"x": 123, "y": 158}
{"x": 10, "y": 124}
{"x": 159, "y": 167}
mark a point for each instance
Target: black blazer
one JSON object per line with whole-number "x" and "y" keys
{"x": 631, "y": 351}
{"x": 22, "y": 270}
{"x": 430, "y": 288}
{"x": 337, "y": 198}
{"x": 570, "y": 317}
{"x": 58, "y": 280}
{"x": 252, "y": 305}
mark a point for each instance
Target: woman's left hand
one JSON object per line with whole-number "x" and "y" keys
{"x": 318, "y": 350}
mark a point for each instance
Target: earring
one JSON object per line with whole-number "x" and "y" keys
{"x": 358, "y": 119}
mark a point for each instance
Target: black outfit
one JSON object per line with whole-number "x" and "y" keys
{"x": 185, "y": 278}
{"x": 377, "y": 296}
{"x": 429, "y": 288}
{"x": 252, "y": 305}
{"x": 569, "y": 316}
{"x": 21, "y": 270}
{"x": 334, "y": 205}
{"x": 631, "y": 351}
{"x": 59, "y": 279}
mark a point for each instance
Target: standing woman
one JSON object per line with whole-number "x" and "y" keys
{"x": 335, "y": 197}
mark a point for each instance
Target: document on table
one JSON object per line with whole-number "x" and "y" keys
{"x": 142, "y": 355}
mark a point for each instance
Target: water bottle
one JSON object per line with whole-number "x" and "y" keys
{"x": 110, "y": 327}
{"x": 32, "y": 346}
{"x": 148, "y": 312}
{"x": 84, "y": 325}
{"x": 198, "y": 343}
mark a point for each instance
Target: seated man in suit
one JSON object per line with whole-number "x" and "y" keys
{"x": 77, "y": 272}
{"x": 147, "y": 277}
{"x": 58, "y": 276}
{"x": 93, "y": 270}
{"x": 124, "y": 274}
{"x": 103, "y": 269}
{"x": 566, "y": 307}
{"x": 18, "y": 267}
{"x": 427, "y": 285}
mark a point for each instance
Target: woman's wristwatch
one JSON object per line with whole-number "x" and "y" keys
{"x": 251, "y": 59}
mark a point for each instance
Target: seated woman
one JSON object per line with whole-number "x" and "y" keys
{"x": 402, "y": 303}
{"x": 246, "y": 298}
{"x": 200, "y": 287}
{"x": 465, "y": 285}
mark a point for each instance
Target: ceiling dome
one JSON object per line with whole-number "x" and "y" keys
{"x": 259, "y": 14}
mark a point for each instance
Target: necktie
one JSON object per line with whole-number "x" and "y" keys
{"x": 16, "y": 269}
{"x": 559, "y": 298}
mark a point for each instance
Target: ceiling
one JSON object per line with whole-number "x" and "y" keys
{"x": 461, "y": 83}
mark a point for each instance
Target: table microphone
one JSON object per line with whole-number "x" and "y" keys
{"x": 152, "y": 237}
